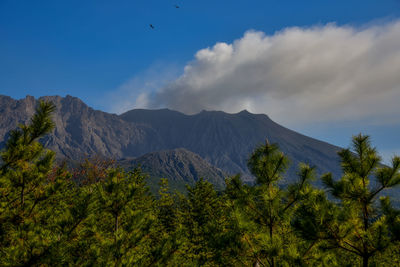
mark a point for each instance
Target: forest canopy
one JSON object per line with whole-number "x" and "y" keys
{"x": 100, "y": 214}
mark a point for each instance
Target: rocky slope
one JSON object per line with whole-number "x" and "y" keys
{"x": 179, "y": 166}
{"x": 80, "y": 130}
{"x": 226, "y": 140}
{"x": 222, "y": 139}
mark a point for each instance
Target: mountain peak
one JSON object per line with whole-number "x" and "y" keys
{"x": 29, "y": 98}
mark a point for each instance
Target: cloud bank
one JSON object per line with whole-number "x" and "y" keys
{"x": 322, "y": 73}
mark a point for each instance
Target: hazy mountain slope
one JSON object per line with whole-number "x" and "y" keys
{"x": 179, "y": 166}
{"x": 224, "y": 140}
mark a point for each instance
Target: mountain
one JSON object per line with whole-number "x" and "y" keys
{"x": 179, "y": 166}
{"x": 80, "y": 130}
{"x": 224, "y": 140}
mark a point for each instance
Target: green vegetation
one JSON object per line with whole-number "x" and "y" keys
{"x": 101, "y": 215}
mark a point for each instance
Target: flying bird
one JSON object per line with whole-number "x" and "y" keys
{"x": 151, "y": 26}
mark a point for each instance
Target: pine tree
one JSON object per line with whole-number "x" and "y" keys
{"x": 122, "y": 219}
{"x": 26, "y": 194}
{"x": 42, "y": 210}
{"x": 354, "y": 224}
{"x": 166, "y": 242}
{"x": 264, "y": 210}
{"x": 207, "y": 235}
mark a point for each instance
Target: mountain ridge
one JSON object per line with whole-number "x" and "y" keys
{"x": 225, "y": 140}
{"x": 245, "y": 130}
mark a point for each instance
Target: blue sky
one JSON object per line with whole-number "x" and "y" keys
{"x": 105, "y": 52}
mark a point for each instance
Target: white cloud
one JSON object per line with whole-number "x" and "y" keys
{"x": 297, "y": 75}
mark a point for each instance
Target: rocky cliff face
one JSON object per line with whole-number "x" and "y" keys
{"x": 179, "y": 166}
{"x": 222, "y": 139}
{"x": 80, "y": 130}
{"x": 14, "y": 112}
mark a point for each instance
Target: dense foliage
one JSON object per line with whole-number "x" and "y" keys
{"x": 99, "y": 214}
